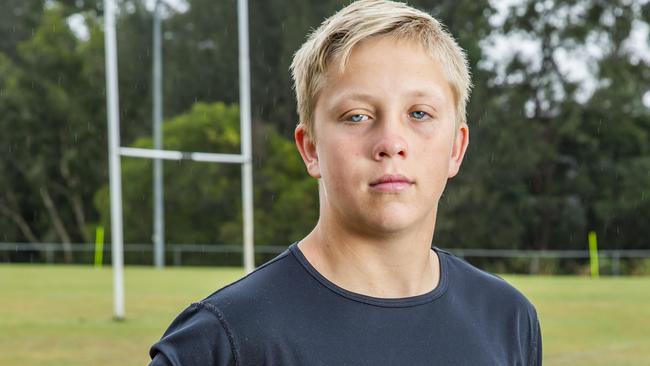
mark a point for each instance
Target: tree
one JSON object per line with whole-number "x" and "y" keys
{"x": 17, "y": 21}
{"x": 552, "y": 155}
{"x": 203, "y": 200}
{"x": 56, "y": 150}
{"x": 558, "y": 157}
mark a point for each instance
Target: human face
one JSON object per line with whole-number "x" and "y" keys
{"x": 386, "y": 137}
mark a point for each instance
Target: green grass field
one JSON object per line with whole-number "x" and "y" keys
{"x": 61, "y": 315}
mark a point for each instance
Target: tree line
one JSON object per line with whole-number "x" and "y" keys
{"x": 552, "y": 156}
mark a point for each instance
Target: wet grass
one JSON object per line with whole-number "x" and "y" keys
{"x": 591, "y": 322}
{"x": 62, "y": 315}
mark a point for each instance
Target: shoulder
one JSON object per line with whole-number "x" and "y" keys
{"x": 484, "y": 287}
{"x": 269, "y": 295}
{"x": 264, "y": 282}
{"x": 488, "y": 299}
{"x": 203, "y": 332}
{"x": 197, "y": 336}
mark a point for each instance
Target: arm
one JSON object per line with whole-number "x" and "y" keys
{"x": 196, "y": 337}
{"x": 536, "y": 344}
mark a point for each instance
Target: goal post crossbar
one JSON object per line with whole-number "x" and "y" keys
{"x": 135, "y": 152}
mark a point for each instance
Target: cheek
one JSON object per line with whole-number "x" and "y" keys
{"x": 341, "y": 164}
{"x": 332, "y": 160}
{"x": 434, "y": 160}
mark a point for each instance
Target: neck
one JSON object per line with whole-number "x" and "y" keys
{"x": 392, "y": 265}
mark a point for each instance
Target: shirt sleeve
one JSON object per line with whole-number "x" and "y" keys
{"x": 196, "y": 337}
{"x": 536, "y": 344}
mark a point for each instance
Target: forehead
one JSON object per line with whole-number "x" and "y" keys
{"x": 383, "y": 68}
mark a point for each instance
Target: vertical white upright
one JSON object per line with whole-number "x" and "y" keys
{"x": 112, "y": 111}
{"x": 245, "y": 131}
{"x": 158, "y": 205}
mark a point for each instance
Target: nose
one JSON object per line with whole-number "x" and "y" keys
{"x": 390, "y": 142}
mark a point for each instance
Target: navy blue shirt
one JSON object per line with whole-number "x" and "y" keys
{"x": 286, "y": 313}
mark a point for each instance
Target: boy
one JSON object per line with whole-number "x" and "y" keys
{"x": 381, "y": 91}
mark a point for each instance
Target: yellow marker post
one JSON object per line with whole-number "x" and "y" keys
{"x": 593, "y": 254}
{"x": 99, "y": 246}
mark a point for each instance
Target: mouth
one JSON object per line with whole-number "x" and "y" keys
{"x": 391, "y": 183}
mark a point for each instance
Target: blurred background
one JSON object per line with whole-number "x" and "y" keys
{"x": 559, "y": 117}
{"x": 560, "y": 148}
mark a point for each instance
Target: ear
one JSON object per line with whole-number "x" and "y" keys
{"x": 461, "y": 140}
{"x": 307, "y": 148}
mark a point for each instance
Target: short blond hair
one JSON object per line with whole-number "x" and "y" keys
{"x": 340, "y": 33}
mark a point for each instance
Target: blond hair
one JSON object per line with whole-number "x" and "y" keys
{"x": 339, "y": 34}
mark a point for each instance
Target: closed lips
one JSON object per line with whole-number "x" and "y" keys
{"x": 391, "y": 179}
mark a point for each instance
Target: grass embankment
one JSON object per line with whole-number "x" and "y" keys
{"x": 61, "y": 315}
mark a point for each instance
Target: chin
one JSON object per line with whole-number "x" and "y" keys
{"x": 393, "y": 219}
{"x": 391, "y": 222}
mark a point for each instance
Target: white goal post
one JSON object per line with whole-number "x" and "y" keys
{"x": 115, "y": 151}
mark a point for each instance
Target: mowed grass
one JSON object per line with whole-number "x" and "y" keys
{"x": 588, "y": 321}
{"x": 62, "y": 315}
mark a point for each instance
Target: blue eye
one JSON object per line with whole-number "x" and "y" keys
{"x": 419, "y": 115}
{"x": 358, "y": 117}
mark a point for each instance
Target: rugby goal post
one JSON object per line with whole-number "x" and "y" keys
{"x": 115, "y": 151}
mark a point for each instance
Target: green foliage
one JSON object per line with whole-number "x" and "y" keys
{"x": 17, "y": 21}
{"x": 52, "y": 133}
{"x": 550, "y": 161}
{"x": 203, "y": 200}
{"x": 641, "y": 267}
{"x": 547, "y": 162}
